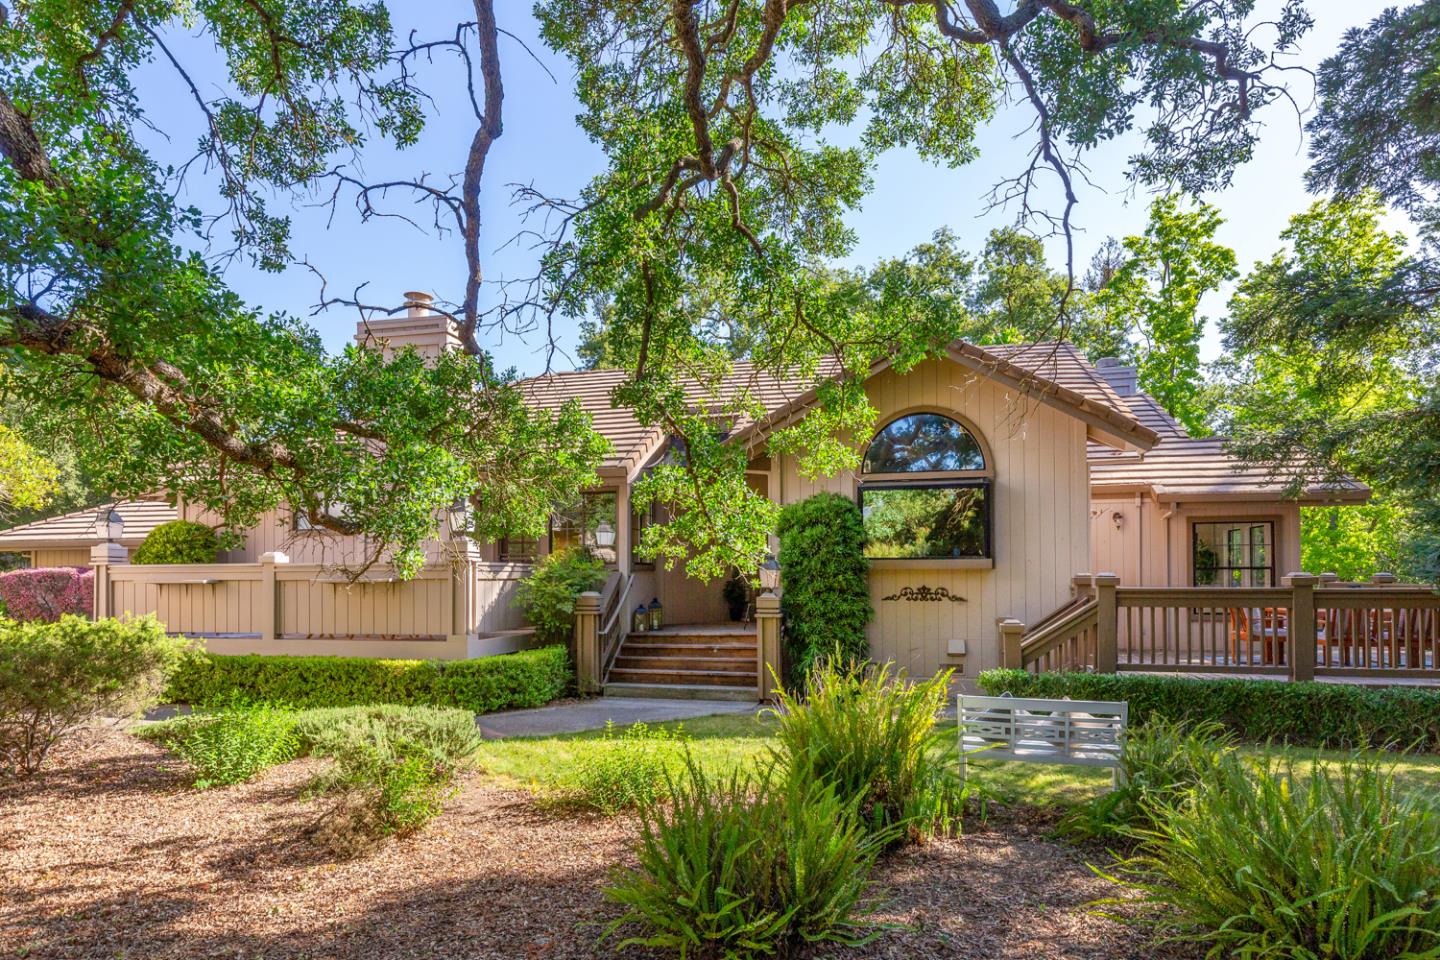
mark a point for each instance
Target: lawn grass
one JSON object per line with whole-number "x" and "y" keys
{"x": 722, "y": 742}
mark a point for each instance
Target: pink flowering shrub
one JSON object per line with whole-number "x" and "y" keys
{"x": 44, "y": 593}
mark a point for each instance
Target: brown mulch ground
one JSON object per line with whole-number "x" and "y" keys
{"x": 109, "y": 854}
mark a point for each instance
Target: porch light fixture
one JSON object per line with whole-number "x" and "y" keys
{"x": 110, "y": 524}
{"x": 769, "y": 573}
{"x": 604, "y": 535}
{"x": 457, "y": 518}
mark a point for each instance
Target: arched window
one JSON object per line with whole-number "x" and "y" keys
{"x": 923, "y": 443}
{"x": 927, "y": 497}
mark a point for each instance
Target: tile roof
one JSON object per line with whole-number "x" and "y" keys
{"x": 1054, "y": 371}
{"x": 1181, "y": 467}
{"x": 79, "y": 528}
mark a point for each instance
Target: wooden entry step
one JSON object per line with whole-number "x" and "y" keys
{"x": 687, "y": 659}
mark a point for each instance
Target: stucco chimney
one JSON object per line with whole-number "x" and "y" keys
{"x": 418, "y": 302}
{"x": 1123, "y": 379}
{"x": 420, "y": 327}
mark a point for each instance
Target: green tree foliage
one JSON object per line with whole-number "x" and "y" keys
{"x": 727, "y": 188}
{"x": 1153, "y": 296}
{"x": 27, "y": 479}
{"x": 179, "y": 541}
{"x": 1378, "y": 126}
{"x": 724, "y": 199}
{"x": 1333, "y": 345}
{"x": 1354, "y": 542}
{"x": 826, "y": 601}
{"x": 135, "y": 347}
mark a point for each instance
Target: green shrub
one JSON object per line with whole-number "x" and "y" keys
{"x": 447, "y": 735}
{"x": 385, "y": 785}
{"x": 1307, "y": 714}
{"x": 530, "y": 678}
{"x": 56, "y": 677}
{"x": 1163, "y": 760}
{"x": 548, "y": 594}
{"x": 869, "y": 733}
{"x": 1260, "y": 861}
{"x": 739, "y": 869}
{"x": 826, "y": 601}
{"x": 234, "y": 744}
{"x": 179, "y": 541}
{"x": 627, "y": 769}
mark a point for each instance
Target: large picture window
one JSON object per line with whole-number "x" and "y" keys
{"x": 913, "y": 521}
{"x": 923, "y": 494}
{"x": 591, "y": 523}
{"x": 1234, "y": 553}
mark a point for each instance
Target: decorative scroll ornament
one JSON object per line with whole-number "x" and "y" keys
{"x": 924, "y": 594}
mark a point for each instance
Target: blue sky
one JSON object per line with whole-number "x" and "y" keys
{"x": 541, "y": 145}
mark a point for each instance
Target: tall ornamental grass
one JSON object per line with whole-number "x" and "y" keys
{"x": 1265, "y": 860}
{"x": 872, "y": 735}
{"x": 739, "y": 869}
{"x": 1162, "y": 762}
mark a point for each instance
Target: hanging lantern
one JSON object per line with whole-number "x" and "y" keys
{"x": 657, "y": 614}
{"x": 604, "y": 535}
{"x": 641, "y": 620}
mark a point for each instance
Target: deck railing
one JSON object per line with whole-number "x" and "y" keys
{"x": 1308, "y": 627}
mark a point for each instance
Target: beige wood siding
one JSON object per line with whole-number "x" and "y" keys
{"x": 1152, "y": 545}
{"x": 61, "y": 557}
{"x": 1041, "y": 528}
{"x": 275, "y": 532}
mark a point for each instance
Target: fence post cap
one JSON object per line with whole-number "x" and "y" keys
{"x": 1300, "y": 579}
{"x": 1383, "y": 578}
{"x": 588, "y": 602}
{"x": 1081, "y": 579}
{"x": 274, "y": 556}
{"x": 108, "y": 553}
{"x": 1011, "y": 625}
{"x": 767, "y": 604}
{"x": 1107, "y": 580}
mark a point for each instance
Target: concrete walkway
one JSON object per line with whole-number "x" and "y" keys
{"x": 593, "y": 714}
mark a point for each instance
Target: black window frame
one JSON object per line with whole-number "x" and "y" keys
{"x": 983, "y": 483}
{"x": 1246, "y": 529}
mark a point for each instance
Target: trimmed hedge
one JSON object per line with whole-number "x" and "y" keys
{"x": 826, "y": 600}
{"x": 1306, "y": 714}
{"x": 530, "y": 678}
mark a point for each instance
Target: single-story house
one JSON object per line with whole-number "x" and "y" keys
{"x": 995, "y": 475}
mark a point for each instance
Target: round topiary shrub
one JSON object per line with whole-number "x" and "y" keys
{"x": 826, "y": 601}
{"x": 179, "y": 541}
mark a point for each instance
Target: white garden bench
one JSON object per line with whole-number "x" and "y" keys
{"x": 1087, "y": 733}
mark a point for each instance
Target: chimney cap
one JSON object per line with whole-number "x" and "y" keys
{"x": 1104, "y": 362}
{"x": 418, "y": 297}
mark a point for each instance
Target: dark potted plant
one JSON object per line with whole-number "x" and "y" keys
{"x": 737, "y": 597}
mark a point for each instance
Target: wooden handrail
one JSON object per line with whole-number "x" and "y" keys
{"x": 1061, "y": 629}
{"x": 612, "y": 631}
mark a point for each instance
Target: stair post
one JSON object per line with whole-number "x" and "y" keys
{"x": 1301, "y": 627}
{"x": 1107, "y": 623}
{"x": 587, "y": 642}
{"x": 1012, "y": 631}
{"x": 767, "y": 645}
